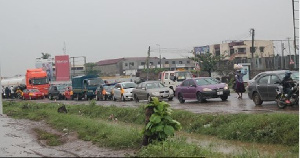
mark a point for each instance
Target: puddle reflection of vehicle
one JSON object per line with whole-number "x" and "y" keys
{"x": 30, "y": 94}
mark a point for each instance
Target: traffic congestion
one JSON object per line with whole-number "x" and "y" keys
{"x": 176, "y": 87}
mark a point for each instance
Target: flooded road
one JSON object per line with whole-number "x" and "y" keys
{"x": 231, "y": 106}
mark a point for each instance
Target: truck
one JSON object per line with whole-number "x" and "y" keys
{"x": 33, "y": 79}
{"x": 172, "y": 79}
{"x": 37, "y": 79}
{"x": 85, "y": 86}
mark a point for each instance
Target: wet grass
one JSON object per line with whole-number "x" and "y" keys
{"x": 94, "y": 123}
{"x": 51, "y": 139}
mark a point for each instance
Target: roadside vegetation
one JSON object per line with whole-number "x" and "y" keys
{"x": 121, "y": 128}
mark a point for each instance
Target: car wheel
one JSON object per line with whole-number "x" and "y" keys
{"x": 256, "y": 99}
{"x": 136, "y": 98}
{"x": 224, "y": 98}
{"x": 170, "y": 99}
{"x": 180, "y": 98}
{"x": 149, "y": 98}
{"x": 123, "y": 98}
{"x": 200, "y": 97}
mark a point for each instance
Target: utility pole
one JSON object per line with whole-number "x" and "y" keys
{"x": 159, "y": 54}
{"x": 73, "y": 66}
{"x": 282, "y": 57}
{"x": 148, "y": 55}
{"x": 252, "y": 47}
{"x": 296, "y": 39}
{"x": 1, "y": 106}
{"x": 289, "y": 49}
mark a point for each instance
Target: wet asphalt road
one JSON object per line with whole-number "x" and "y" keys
{"x": 232, "y": 105}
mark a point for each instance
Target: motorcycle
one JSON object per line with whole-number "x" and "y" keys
{"x": 281, "y": 96}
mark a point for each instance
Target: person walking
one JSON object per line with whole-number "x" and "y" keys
{"x": 12, "y": 92}
{"x": 239, "y": 83}
{"x": 7, "y": 92}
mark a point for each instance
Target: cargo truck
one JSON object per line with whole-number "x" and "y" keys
{"x": 85, "y": 86}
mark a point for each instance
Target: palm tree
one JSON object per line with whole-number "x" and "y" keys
{"x": 45, "y": 55}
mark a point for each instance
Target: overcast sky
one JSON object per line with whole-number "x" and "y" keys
{"x": 107, "y": 29}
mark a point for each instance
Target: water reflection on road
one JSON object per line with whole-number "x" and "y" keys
{"x": 232, "y": 105}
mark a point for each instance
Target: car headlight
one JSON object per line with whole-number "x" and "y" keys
{"x": 155, "y": 93}
{"x": 206, "y": 89}
{"x": 226, "y": 87}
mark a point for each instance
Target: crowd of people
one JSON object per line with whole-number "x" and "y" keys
{"x": 8, "y": 92}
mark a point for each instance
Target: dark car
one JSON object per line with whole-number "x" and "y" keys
{"x": 263, "y": 86}
{"x": 56, "y": 92}
{"x": 201, "y": 88}
{"x": 104, "y": 91}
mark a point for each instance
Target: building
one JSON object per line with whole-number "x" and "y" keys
{"x": 130, "y": 66}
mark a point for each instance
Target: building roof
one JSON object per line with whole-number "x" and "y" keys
{"x": 115, "y": 61}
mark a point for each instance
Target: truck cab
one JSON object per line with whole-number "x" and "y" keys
{"x": 172, "y": 79}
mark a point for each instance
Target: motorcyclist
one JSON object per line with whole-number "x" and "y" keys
{"x": 288, "y": 84}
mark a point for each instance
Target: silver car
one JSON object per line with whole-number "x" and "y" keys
{"x": 148, "y": 89}
{"x": 123, "y": 91}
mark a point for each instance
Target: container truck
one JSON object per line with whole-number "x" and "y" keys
{"x": 85, "y": 86}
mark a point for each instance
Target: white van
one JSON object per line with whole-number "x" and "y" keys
{"x": 172, "y": 79}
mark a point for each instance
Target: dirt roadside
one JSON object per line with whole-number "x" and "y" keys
{"x": 19, "y": 140}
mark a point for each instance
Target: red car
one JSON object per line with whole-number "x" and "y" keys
{"x": 32, "y": 94}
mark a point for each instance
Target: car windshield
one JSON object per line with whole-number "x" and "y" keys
{"x": 33, "y": 90}
{"x": 128, "y": 85}
{"x": 108, "y": 87}
{"x": 206, "y": 81}
{"x": 294, "y": 76}
{"x": 154, "y": 85}
{"x": 181, "y": 76}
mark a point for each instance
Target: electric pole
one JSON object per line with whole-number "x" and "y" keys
{"x": 148, "y": 55}
{"x": 282, "y": 57}
{"x": 252, "y": 47}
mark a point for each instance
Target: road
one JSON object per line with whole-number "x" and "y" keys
{"x": 232, "y": 106}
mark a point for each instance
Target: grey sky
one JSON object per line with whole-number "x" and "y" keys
{"x": 105, "y": 29}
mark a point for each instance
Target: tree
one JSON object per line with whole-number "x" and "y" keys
{"x": 89, "y": 67}
{"x": 45, "y": 55}
{"x": 207, "y": 61}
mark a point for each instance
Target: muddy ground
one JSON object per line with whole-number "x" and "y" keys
{"x": 20, "y": 140}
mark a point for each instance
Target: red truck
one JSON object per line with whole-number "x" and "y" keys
{"x": 37, "y": 79}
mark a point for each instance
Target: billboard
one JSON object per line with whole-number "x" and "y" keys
{"x": 201, "y": 50}
{"x": 62, "y": 68}
{"x": 46, "y": 65}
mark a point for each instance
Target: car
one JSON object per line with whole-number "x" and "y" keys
{"x": 263, "y": 86}
{"x": 147, "y": 90}
{"x": 68, "y": 93}
{"x": 30, "y": 94}
{"x": 123, "y": 91}
{"x": 104, "y": 91}
{"x": 202, "y": 88}
{"x": 56, "y": 92}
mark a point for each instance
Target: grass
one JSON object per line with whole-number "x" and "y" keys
{"x": 51, "y": 139}
{"x": 92, "y": 123}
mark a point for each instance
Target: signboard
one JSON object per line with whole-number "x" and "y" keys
{"x": 201, "y": 50}
{"x": 245, "y": 69}
{"x": 46, "y": 65}
{"x": 62, "y": 68}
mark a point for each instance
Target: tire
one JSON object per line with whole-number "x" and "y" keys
{"x": 170, "y": 99}
{"x": 123, "y": 98}
{"x": 136, "y": 98}
{"x": 50, "y": 97}
{"x": 224, "y": 98}
{"x": 200, "y": 97}
{"x": 149, "y": 98}
{"x": 256, "y": 99}
{"x": 180, "y": 98}
{"x": 279, "y": 102}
